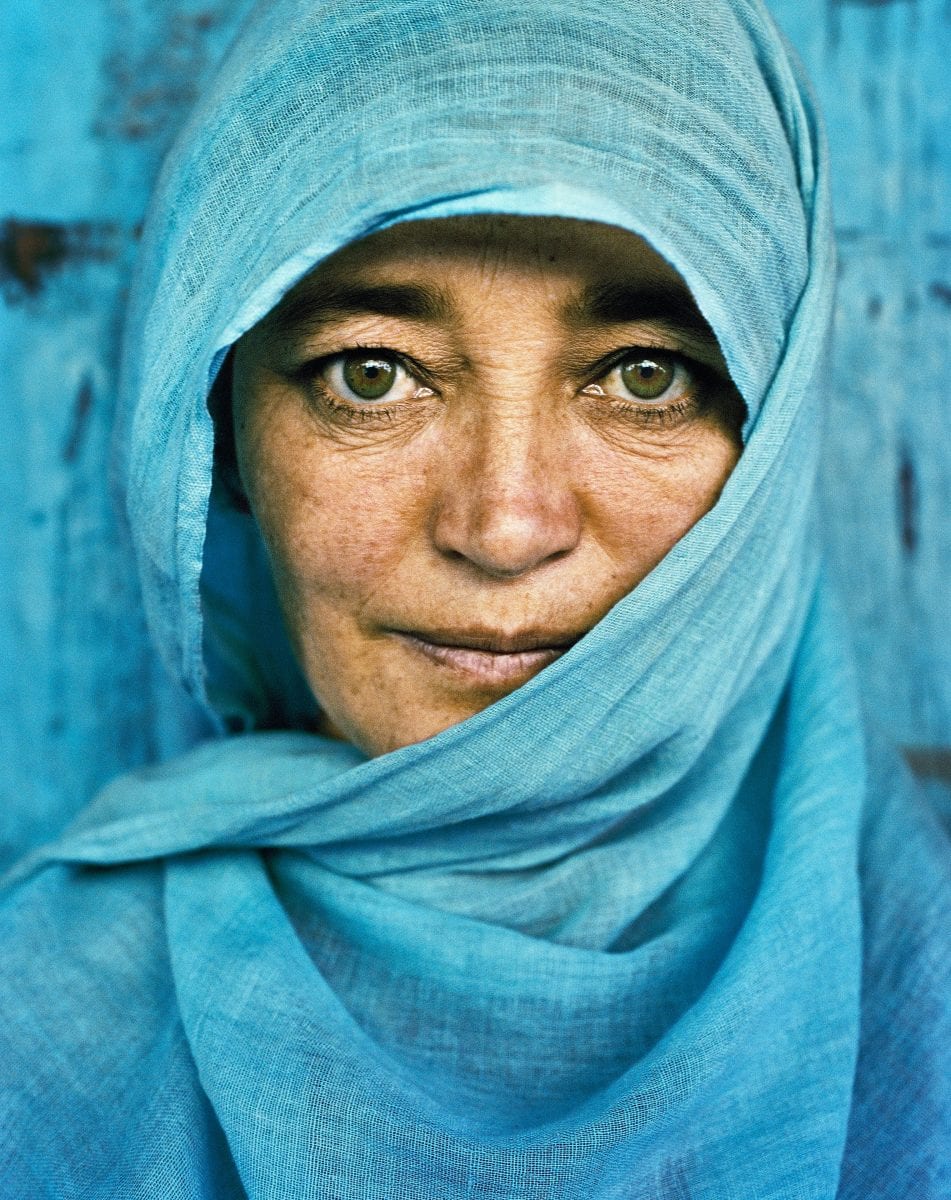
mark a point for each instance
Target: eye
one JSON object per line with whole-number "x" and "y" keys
{"x": 647, "y": 376}
{"x": 362, "y": 377}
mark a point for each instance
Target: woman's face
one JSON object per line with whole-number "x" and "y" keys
{"x": 464, "y": 440}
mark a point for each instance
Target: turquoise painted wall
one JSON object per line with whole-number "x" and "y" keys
{"x": 91, "y": 94}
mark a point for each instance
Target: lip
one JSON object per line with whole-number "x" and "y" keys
{"x": 489, "y": 659}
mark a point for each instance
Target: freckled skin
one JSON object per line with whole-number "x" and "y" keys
{"x": 506, "y": 493}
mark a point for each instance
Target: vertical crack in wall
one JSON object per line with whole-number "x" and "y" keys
{"x": 81, "y": 413}
{"x": 908, "y": 501}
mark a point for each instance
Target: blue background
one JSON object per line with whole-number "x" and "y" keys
{"x": 91, "y": 95}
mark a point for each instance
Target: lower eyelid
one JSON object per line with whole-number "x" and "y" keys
{"x": 617, "y": 413}
{"x": 337, "y": 407}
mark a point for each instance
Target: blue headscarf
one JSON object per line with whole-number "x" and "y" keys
{"x": 605, "y": 938}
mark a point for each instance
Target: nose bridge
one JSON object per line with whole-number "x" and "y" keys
{"x": 509, "y": 503}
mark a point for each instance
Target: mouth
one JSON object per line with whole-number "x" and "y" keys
{"x": 489, "y": 660}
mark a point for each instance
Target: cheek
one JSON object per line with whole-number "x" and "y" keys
{"x": 648, "y": 495}
{"x": 335, "y": 521}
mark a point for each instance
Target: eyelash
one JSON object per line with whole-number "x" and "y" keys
{"x": 311, "y": 375}
{"x": 704, "y": 379}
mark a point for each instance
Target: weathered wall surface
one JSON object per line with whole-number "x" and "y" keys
{"x": 91, "y": 94}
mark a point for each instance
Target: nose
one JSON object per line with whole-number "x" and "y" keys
{"x": 507, "y": 504}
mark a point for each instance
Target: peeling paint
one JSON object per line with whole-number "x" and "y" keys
{"x": 28, "y": 250}
{"x": 150, "y": 85}
{"x": 32, "y": 250}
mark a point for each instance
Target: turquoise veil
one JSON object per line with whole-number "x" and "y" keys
{"x": 604, "y": 938}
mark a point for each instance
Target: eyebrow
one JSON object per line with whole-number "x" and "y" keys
{"x": 605, "y": 303}
{"x": 618, "y": 304}
{"x": 321, "y": 302}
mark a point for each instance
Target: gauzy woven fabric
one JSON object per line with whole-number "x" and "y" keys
{"x": 657, "y": 924}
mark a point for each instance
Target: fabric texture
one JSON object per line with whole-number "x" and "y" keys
{"x": 657, "y": 924}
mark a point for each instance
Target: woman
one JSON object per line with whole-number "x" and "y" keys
{"x": 474, "y": 379}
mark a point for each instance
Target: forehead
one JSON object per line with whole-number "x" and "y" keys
{"x": 555, "y": 245}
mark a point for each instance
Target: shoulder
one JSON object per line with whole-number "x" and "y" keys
{"x": 82, "y": 945}
{"x": 98, "y": 1092}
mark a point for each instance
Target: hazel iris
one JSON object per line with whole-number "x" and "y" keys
{"x": 648, "y": 376}
{"x": 368, "y": 376}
